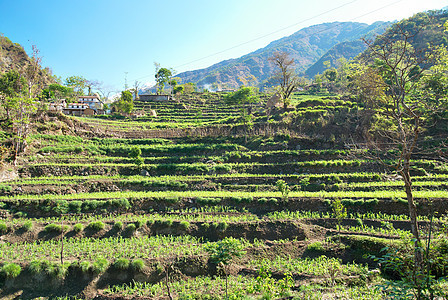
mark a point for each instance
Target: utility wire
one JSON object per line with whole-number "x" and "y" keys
{"x": 290, "y": 26}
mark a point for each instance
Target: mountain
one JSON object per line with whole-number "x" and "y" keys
{"x": 306, "y": 46}
{"x": 14, "y": 57}
{"x": 347, "y": 50}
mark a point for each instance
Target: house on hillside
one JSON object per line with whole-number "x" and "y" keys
{"x": 155, "y": 97}
{"x": 94, "y": 102}
{"x": 57, "y": 106}
{"x": 76, "y": 109}
{"x": 226, "y": 91}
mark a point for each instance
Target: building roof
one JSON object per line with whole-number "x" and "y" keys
{"x": 89, "y": 97}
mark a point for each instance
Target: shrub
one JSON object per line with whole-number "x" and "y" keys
{"x": 236, "y": 200}
{"x": 131, "y": 227}
{"x": 123, "y": 203}
{"x": 96, "y": 225}
{"x": 59, "y": 270}
{"x": 263, "y": 200}
{"x": 139, "y": 223}
{"x": 27, "y": 226}
{"x": 137, "y": 264}
{"x": 118, "y": 226}
{"x": 85, "y": 266}
{"x": 78, "y": 227}
{"x": 55, "y": 228}
{"x": 121, "y": 263}
{"x": 3, "y": 228}
{"x": 315, "y": 246}
{"x": 100, "y": 265}
{"x": 283, "y": 188}
{"x": 184, "y": 224}
{"x": 359, "y": 222}
{"x": 5, "y": 188}
{"x": 75, "y": 206}
{"x": 172, "y": 199}
{"x": 273, "y": 200}
{"x": 35, "y": 267}
{"x": 11, "y": 270}
{"x": 222, "y": 226}
{"x": 135, "y": 152}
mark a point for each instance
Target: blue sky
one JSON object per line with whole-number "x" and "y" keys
{"x": 103, "y": 39}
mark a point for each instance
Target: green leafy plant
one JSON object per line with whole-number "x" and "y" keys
{"x": 283, "y": 188}
{"x": 223, "y": 252}
{"x": 339, "y": 213}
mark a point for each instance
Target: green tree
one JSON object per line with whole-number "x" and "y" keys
{"x": 57, "y": 91}
{"x": 189, "y": 87}
{"x": 163, "y": 76}
{"x": 12, "y": 84}
{"x": 77, "y": 83}
{"x": 331, "y": 74}
{"x": 283, "y": 188}
{"x": 223, "y": 252}
{"x": 124, "y": 104}
{"x": 178, "y": 90}
{"x": 244, "y": 97}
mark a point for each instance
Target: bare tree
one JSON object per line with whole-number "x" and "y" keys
{"x": 285, "y": 76}
{"x": 135, "y": 89}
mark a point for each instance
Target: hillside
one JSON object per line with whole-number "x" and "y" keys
{"x": 306, "y": 46}
{"x": 14, "y": 57}
{"x": 423, "y": 29}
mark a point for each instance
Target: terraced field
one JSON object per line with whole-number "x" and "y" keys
{"x": 117, "y": 215}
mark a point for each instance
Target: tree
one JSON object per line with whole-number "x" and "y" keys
{"x": 178, "y": 90}
{"x": 393, "y": 82}
{"x": 135, "y": 89}
{"x": 223, "y": 252}
{"x": 57, "y": 91}
{"x": 77, "y": 83}
{"x": 32, "y": 74}
{"x": 285, "y": 76}
{"x": 124, "y": 104}
{"x": 244, "y": 98}
{"x": 331, "y": 74}
{"x": 189, "y": 87}
{"x": 339, "y": 213}
{"x": 283, "y": 188}
{"x": 163, "y": 76}
{"x": 12, "y": 84}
